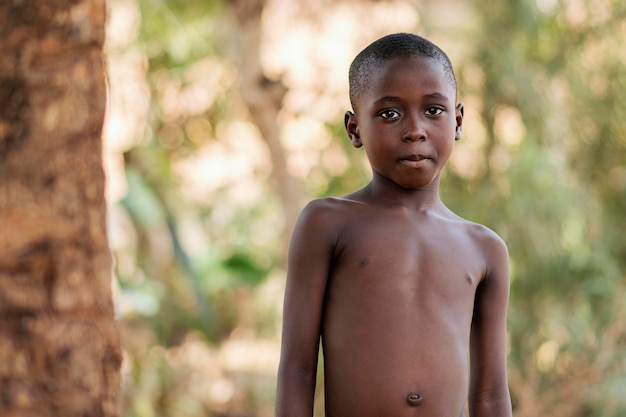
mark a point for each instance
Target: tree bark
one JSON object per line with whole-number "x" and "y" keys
{"x": 59, "y": 346}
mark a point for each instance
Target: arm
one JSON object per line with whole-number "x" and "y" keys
{"x": 309, "y": 259}
{"x": 489, "y": 392}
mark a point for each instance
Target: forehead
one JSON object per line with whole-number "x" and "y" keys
{"x": 409, "y": 76}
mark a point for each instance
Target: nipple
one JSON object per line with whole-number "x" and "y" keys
{"x": 414, "y": 398}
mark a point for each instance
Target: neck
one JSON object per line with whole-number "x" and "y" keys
{"x": 382, "y": 190}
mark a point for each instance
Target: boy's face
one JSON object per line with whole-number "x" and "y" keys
{"x": 407, "y": 121}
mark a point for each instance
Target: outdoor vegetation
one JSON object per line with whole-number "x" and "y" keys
{"x": 226, "y": 116}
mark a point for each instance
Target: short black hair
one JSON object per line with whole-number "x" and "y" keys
{"x": 379, "y": 52}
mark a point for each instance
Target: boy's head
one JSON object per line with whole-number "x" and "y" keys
{"x": 378, "y": 53}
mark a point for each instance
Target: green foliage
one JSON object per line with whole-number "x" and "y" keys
{"x": 557, "y": 195}
{"x": 175, "y": 33}
{"x": 562, "y": 219}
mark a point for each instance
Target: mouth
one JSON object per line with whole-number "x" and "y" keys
{"x": 415, "y": 160}
{"x": 416, "y": 157}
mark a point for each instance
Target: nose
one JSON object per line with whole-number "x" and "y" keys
{"x": 414, "y": 129}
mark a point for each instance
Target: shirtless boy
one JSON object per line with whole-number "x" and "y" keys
{"x": 408, "y": 299}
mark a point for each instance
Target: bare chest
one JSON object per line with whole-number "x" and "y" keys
{"x": 415, "y": 256}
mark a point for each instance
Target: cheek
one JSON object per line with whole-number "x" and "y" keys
{"x": 377, "y": 152}
{"x": 449, "y": 133}
{"x": 371, "y": 151}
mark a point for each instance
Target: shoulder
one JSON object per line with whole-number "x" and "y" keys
{"x": 320, "y": 226}
{"x": 494, "y": 250}
{"x": 491, "y": 246}
{"x": 332, "y": 209}
{"x": 485, "y": 237}
{"x": 326, "y": 215}
{"x": 327, "y": 203}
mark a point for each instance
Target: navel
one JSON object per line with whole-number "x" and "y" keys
{"x": 364, "y": 261}
{"x": 414, "y": 398}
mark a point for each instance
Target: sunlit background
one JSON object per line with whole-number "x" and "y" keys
{"x": 226, "y": 117}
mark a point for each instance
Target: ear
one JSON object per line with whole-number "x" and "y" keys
{"x": 459, "y": 121}
{"x": 351, "y": 123}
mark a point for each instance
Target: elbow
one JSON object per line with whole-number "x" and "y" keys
{"x": 494, "y": 402}
{"x": 298, "y": 372}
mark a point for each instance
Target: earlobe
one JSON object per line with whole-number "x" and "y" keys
{"x": 459, "y": 121}
{"x": 352, "y": 129}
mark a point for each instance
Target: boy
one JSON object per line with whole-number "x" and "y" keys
{"x": 399, "y": 289}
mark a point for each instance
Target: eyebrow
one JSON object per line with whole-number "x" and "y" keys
{"x": 438, "y": 96}
{"x": 435, "y": 95}
{"x": 385, "y": 99}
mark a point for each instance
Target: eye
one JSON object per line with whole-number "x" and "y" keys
{"x": 434, "y": 111}
{"x": 389, "y": 114}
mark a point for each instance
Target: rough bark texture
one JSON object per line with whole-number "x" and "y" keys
{"x": 59, "y": 346}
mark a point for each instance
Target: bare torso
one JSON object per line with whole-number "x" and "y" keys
{"x": 398, "y": 309}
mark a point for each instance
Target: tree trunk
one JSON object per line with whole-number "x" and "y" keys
{"x": 264, "y": 99}
{"x": 59, "y": 346}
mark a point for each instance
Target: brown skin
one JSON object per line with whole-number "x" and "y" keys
{"x": 400, "y": 290}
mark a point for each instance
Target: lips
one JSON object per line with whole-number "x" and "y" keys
{"x": 417, "y": 157}
{"x": 415, "y": 160}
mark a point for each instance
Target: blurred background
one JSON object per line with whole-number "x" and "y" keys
{"x": 226, "y": 116}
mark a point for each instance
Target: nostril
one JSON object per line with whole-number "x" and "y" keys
{"x": 413, "y": 137}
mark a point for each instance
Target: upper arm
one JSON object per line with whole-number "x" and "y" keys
{"x": 489, "y": 388}
{"x": 310, "y": 254}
